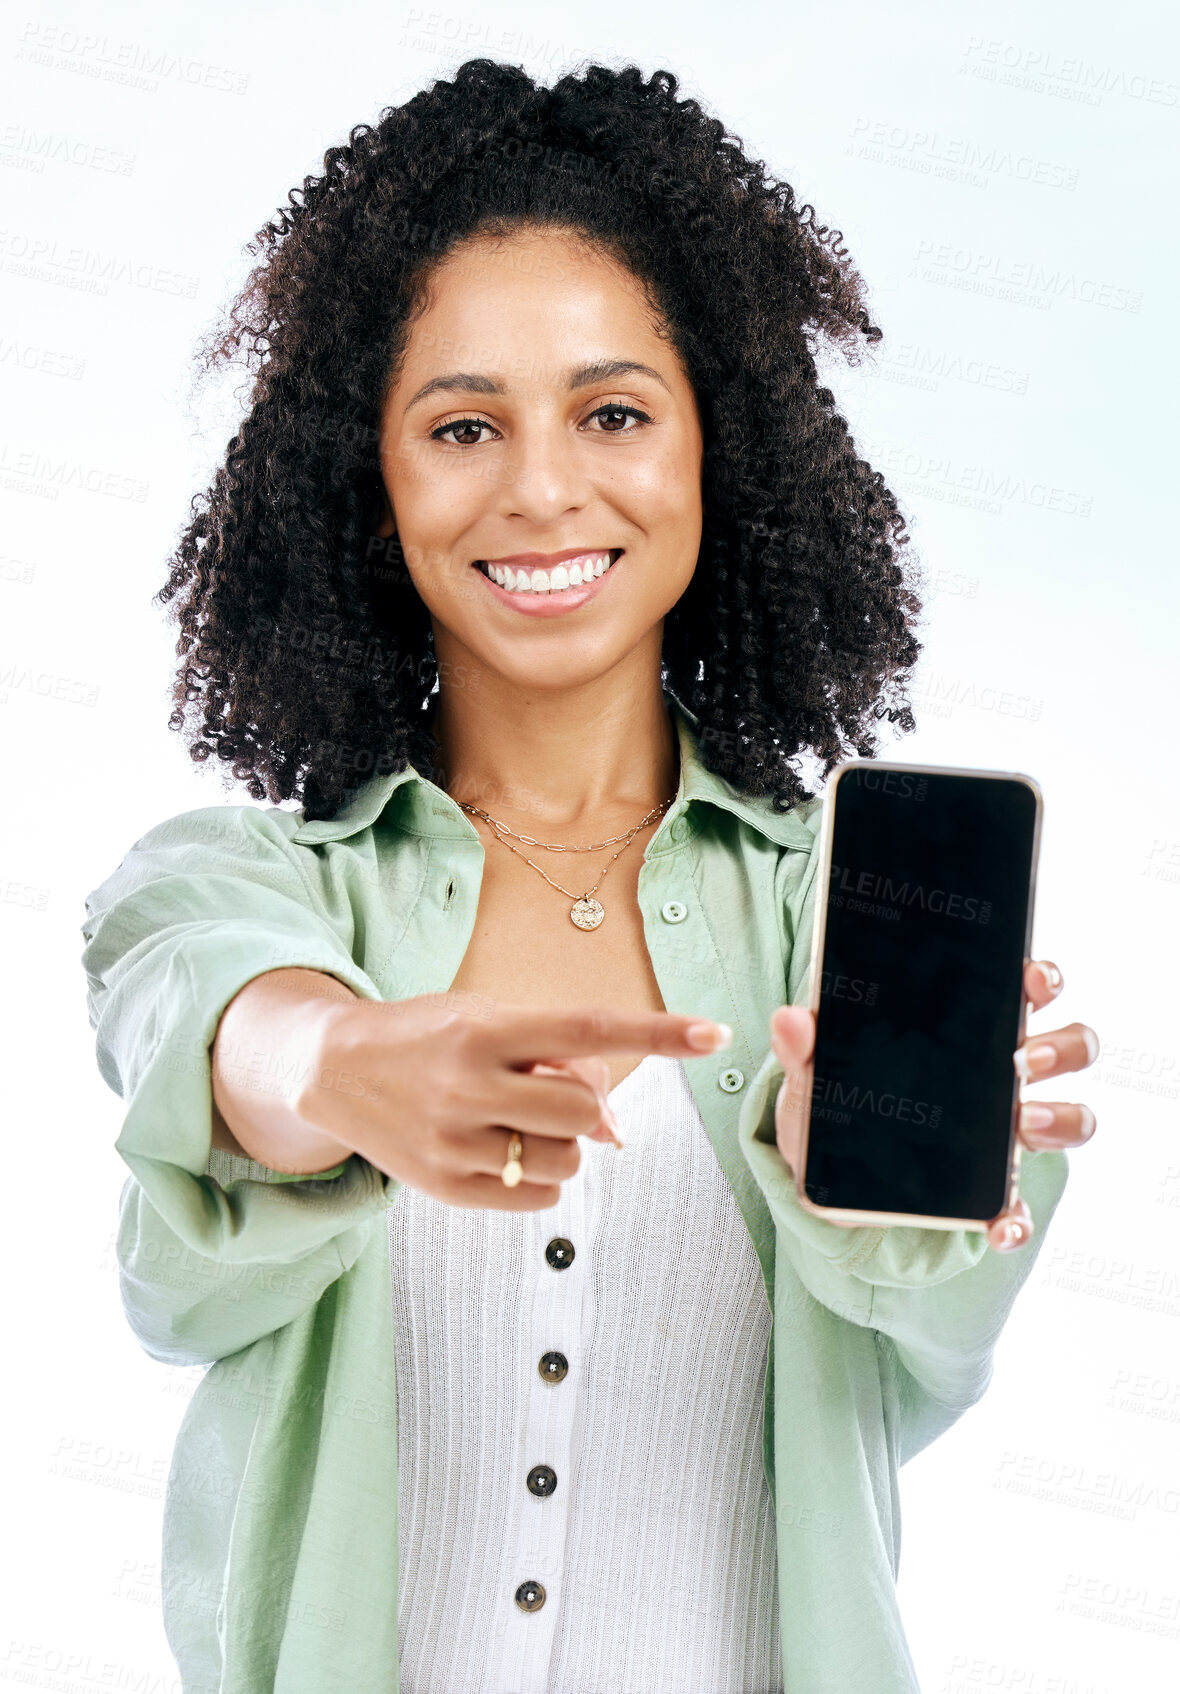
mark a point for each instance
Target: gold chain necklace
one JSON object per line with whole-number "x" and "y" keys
{"x": 586, "y": 912}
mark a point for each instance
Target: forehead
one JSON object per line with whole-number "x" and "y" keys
{"x": 494, "y": 295}
{"x": 536, "y": 251}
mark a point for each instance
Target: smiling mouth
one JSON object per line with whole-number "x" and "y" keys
{"x": 570, "y": 573}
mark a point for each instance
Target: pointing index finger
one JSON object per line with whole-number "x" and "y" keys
{"x": 530, "y": 1033}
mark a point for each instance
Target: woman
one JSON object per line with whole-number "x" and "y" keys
{"x": 539, "y": 557}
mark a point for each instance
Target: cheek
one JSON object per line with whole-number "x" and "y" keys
{"x": 668, "y": 509}
{"x": 661, "y": 493}
{"x": 433, "y": 500}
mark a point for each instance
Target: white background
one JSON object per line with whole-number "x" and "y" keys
{"x": 1005, "y": 177}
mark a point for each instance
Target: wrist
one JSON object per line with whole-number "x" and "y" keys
{"x": 322, "y": 1090}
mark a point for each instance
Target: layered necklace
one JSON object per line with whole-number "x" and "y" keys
{"x": 586, "y": 912}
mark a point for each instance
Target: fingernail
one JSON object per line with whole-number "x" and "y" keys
{"x": 1052, "y": 975}
{"x": 606, "y": 1137}
{"x": 608, "y": 1130}
{"x": 1029, "y": 1060}
{"x": 1012, "y": 1237}
{"x": 709, "y": 1037}
{"x": 1036, "y": 1116}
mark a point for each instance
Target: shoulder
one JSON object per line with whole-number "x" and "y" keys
{"x": 809, "y": 813}
{"x": 201, "y": 848}
{"x": 229, "y": 828}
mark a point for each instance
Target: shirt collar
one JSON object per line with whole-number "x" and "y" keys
{"x": 698, "y": 785}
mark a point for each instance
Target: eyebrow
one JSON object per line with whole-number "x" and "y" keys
{"x": 472, "y": 382}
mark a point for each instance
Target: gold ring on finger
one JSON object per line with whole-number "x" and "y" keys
{"x": 513, "y": 1165}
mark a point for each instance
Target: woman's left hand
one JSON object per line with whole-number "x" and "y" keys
{"x": 1043, "y": 1124}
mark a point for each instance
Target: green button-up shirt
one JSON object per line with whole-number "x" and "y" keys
{"x": 280, "y": 1549}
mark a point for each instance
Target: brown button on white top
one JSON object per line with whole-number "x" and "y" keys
{"x": 530, "y": 1596}
{"x": 542, "y": 1480}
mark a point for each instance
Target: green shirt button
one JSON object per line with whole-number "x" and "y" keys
{"x": 673, "y": 911}
{"x": 731, "y": 1081}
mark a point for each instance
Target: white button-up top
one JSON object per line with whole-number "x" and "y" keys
{"x": 655, "y": 1548}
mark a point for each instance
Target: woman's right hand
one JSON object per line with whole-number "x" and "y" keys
{"x": 434, "y": 1086}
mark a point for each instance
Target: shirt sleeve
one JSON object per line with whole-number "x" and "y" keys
{"x": 940, "y": 1296}
{"x": 214, "y": 1250}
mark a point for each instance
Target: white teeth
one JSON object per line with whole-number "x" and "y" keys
{"x": 544, "y": 582}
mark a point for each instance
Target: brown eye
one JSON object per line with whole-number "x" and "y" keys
{"x": 470, "y": 426}
{"x": 618, "y": 416}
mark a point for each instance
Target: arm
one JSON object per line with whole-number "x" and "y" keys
{"x": 214, "y": 1250}
{"x": 941, "y": 1296}
{"x": 260, "y": 1061}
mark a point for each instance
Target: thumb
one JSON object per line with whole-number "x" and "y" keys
{"x": 792, "y": 1035}
{"x": 593, "y": 1069}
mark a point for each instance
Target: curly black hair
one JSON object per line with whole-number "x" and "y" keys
{"x": 305, "y": 643}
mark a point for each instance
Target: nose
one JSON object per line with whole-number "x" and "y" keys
{"x": 545, "y": 478}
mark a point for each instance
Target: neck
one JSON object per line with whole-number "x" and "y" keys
{"x": 599, "y": 754}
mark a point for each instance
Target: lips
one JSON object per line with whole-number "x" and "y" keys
{"x": 543, "y": 600}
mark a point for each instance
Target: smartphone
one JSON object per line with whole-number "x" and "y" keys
{"x": 923, "y": 927}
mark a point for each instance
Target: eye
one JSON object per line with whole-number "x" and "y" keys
{"x": 443, "y": 430}
{"x": 464, "y": 432}
{"x": 617, "y": 413}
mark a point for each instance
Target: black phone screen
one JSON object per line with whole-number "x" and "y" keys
{"x": 927, "y": 918}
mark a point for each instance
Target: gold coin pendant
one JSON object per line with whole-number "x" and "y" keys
{"x": 587, "y": 914}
